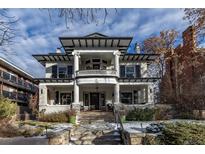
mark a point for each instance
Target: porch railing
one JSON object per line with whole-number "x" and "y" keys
{"x": 119, "y": 125}
{"x": 96, "y": 73}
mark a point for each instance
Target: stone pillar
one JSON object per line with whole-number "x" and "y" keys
{"x": 43, "y": 98}
{"x": 76, "y": 103}
{"x": 117, "y": 65}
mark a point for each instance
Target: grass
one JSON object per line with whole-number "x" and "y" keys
{"x": 37, "y": 123}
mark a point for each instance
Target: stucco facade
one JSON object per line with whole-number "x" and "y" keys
{"x": 94, "y": 76}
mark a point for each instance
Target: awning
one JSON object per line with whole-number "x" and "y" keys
{"x": 138, "y": 57}
{"x": 95, "y": 41}
{"x": 154, "y": 79}
{"x": 55, "y": 57}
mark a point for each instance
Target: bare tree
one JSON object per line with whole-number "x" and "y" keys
{"x": 163, "y": 45}
{"x": 7, "y": 30}
{"x": 196, "y": 16}
{"x": 84, "y": 15}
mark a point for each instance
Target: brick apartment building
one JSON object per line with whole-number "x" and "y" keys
{"x": 16, "y": 84}
{"x": 186, "y": 69}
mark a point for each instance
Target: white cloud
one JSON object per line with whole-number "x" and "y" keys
{"x": 40, "y": 35}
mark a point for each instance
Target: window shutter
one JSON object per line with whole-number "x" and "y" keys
{"x": 137, "y": 71}
{"x": 54, "y": 71}
{"x": 122, "y": 71}
{"x": 70, "y": 70}
{"x": 72, "y": 96}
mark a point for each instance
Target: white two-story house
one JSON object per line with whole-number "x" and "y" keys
{"x": 94, "y": 71}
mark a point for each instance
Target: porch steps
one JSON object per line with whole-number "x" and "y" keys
{"x": 95, "y": 116}
{"x": 96, "y": 128}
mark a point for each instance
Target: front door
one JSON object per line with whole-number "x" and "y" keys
{"x": 94, "y": 101}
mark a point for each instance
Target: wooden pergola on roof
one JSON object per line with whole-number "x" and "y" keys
{"x": 53, "y": 57}
{"x": 95, "y": 41}
{"x": 138, "y": 57}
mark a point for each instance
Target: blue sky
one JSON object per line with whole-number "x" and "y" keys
{"x": 39, "y": 35}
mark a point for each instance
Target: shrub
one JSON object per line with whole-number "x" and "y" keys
{"x": 7, "y": 108}
{"x": 137, "y": 114}
{"x": 183, "y": 133}
{"x": 55, "y": 117}
{"x": 162, "y": 113}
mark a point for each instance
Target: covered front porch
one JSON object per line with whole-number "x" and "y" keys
{"x": 55, "y": 98}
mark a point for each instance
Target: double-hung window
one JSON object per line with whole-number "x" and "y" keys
{"x": 62, "y": 71}
{"x": 130, "y": 71}
{"x": 126, "y": 97}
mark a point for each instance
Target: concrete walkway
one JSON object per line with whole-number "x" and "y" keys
{"x": 40, "y": 140}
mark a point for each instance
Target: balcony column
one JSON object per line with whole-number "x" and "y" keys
{"x": 76, "y": 103}
{"x": 117, "y": 67}
{"x": 117, "y": 94}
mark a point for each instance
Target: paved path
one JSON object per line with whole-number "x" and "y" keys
{"x": 24, "y": 141}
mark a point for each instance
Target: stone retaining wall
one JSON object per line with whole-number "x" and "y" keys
{"x": 59, "y": 138}
{"x": 133, "y": 138}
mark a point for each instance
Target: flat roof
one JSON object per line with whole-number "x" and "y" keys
{"x": 95, "y": 41}
{"x": 9, "y": 65}
{"x": 52, "y": 57}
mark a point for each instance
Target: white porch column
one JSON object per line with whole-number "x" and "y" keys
{"x": 116, "y": 63}
{"x": 150, "y": 92}
{"x": 76, "y": 68}
{"x": 117, "y": 93}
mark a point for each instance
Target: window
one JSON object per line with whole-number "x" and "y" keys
{"x": 130, "y": 70}
{"x": 13, "y": 78}
{"x": 62, "y": 71}
{"x": 96, "y": 60}
{"x": 87, "y": 61}
{"x": 6, "y": 76}
{"x": 126, "y": 97}
{"x": 96, "y": 66}
{"x": 65, "y": 98}
{"x": 104, "y": 61}
{"x": 20, "y": 82}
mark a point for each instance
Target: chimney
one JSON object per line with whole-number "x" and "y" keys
{"x": 137, "y": 48}
{"x": 189, "y": 37}
{"x": 58, "y": 50}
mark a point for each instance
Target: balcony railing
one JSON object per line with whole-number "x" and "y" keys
{"x": 17, "y": 82}
{"x": 15, "y": 96}
{"x": 83, "y": 73}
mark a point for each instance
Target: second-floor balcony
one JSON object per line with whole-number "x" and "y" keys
{"x": 96, "y": 73}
